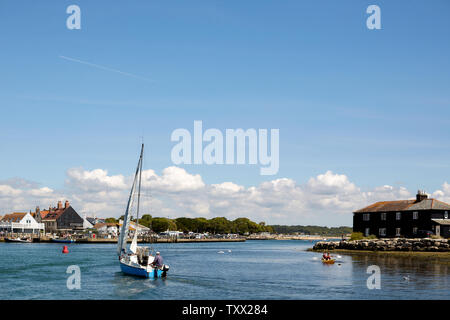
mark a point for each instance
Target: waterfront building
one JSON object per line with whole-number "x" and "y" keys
{"x": 171, "y": 233}
{"x": 404, "y": 218}
{"x": 133, "y": 226}
{"x": 60, "y": 218}
{"x": 107, "y": 229}
{"x": 94, "y": 220}
{"x": 21, "y": 222}
{"x": 86, "y": 223}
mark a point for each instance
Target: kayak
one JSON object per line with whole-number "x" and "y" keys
{"x": 331, "y": 261}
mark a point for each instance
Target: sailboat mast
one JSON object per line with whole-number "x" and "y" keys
{"x": 121, "y": 243}
{"x": 139, "y": 187}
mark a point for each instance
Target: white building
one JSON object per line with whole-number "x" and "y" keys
{"x": 21, "y": 223}
{"x": 172, "y": 233}
{"x": 86, "y": 223}
{"x": 107, "y": 228}
{"x": 133, "y": 226}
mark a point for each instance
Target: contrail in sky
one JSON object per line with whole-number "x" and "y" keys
{"x": 105, "y": 68}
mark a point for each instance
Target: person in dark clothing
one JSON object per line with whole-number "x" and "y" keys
{"x": 158, "y": 261}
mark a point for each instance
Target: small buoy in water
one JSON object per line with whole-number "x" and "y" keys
{"x": 65, "y": 249}
{"x": 220, "y": 252}
{"x": 229, "y": 250}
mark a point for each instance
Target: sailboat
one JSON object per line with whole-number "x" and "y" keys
{"x": 136, "y": 260}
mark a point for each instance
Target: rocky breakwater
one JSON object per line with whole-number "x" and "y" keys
{"x": 396, "y": 244}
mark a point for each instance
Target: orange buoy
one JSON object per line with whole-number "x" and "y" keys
{"x": 65, "y": 249}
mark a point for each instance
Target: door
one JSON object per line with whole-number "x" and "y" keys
{"x": 438, "y": 230}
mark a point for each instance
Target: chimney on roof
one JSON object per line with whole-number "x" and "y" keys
{"x": 59, "y": 204}
{"x": 66, "y": 204}
{"x": 421, "y": 195}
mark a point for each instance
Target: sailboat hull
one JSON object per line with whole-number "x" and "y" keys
{"x": 141, "y": 272}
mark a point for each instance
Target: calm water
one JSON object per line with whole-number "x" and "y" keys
{"x": 252, "y": 270}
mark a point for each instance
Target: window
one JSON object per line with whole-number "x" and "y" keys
{"x": 415, "y": 215}
{"x": 382, "y": 231}
{"x": 366, "y": 217}
{"x": 366, "y": 232}
{"x": 446, "y": 215}
{"x": 415, "y": 230}
{"x": 383, "y": 216}
{"x": 398, "y": 215}
{"x": 397, "y": 232}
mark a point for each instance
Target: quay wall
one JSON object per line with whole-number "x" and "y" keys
{"x": 394, "y": 244}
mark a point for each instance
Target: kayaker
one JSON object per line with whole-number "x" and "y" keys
{"x": 326, "y": 256}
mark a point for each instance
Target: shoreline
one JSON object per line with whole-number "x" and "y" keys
{"x": 93, "y": 241}
{"x": 183, "y": 240}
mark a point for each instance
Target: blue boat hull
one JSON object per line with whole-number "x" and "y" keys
{"x": 139, "y": 272}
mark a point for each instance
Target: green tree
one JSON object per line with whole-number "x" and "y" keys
{"x": 200, "y": 225}
{"x": 186, "y": 224}
{"x": 146, "y": 220}
{"x": 245, "y": 225}
{"x": 219, "y": 225}
{"x": 163, "y": 224}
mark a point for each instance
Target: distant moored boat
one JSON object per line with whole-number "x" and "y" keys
{"x": 22, "y": 240}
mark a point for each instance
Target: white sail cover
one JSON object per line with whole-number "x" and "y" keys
{"x": 133, "y": 246}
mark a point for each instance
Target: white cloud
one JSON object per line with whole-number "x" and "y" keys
{"x": 173, "y": 179}
{"x": 41, "y": 192}
{"x": 444, "y": 194}
{"x": 8, "y": 191}
{"x": 327, "y": 199}
{"x": 94, "y": 180}
{"x": 330, "y": 183}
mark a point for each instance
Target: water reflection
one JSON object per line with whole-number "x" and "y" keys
{"x": 130, "y": 287}
{"x": 409, "y": 273}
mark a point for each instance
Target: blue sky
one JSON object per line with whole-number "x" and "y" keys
{"x": 370, "y": 104}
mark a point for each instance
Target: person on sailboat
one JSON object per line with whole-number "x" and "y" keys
{"x": 158, "y": 261}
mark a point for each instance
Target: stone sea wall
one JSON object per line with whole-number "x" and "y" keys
{"x": 397, "y": 244}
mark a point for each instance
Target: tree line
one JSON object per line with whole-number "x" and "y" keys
{"x": 310, "y": 230}
{"x": 222, "y": 225}
{"x": 219, "y": 225}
